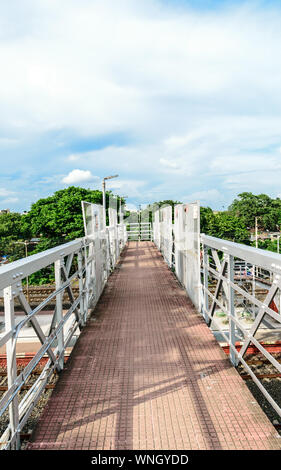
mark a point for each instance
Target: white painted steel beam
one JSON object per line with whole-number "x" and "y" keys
{"x": 18, "y": 270}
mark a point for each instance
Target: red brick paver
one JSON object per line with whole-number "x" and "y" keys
{"x": 147, "y": 373}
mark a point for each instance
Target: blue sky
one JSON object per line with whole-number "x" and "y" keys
{"x": 181, "y": 98}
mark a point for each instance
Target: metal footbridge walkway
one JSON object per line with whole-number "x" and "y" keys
{"x": 145, "y": 371}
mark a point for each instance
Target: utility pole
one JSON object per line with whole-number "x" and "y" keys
{"x": 254, "y": 267}
{"x": 256, "y": 230}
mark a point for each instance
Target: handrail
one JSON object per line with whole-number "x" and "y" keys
{"x": 218, "y": 267}
{"x": 87, "y": 261}
{"x": 20, "y": 269}
{"x": 208, "y": 265}
{"x": 256, "y": 256}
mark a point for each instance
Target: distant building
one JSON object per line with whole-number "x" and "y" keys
{"x": 4, "y": 211}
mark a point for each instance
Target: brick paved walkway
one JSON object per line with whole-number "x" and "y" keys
{"x": 147, "y": 373}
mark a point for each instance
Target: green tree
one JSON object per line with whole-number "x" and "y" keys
{"x": 11, "y": 225}
{"x": 59, "y": 217}
{"x": 11, "y": 231}
{"x": 206, "y": 218}
{"x": 11, "y": 248}
{"x": 223, "y": 225}
{"x": 247, "y": 206}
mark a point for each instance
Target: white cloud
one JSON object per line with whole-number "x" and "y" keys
{"x": 204, "y": 196}
{"x": 131, "y": 207}
{"x": 169, "y": 163}
{"x": 198, "y": 96}
{"x": 7, "y": 197}
{"x": 78, "y": 176}
{"x": 10, "y": 200}
{"x": 130, "y": 188}
{"x": 5, "y": 192}
{"x": 97, "y": 68}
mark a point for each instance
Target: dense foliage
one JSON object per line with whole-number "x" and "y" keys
{"x": 248, "y": 206}
{"x": 58, "y": 219}
{"x": 54, "y": 220}
{"x": 223, "y": 225}
{"x": 11, "y": 233}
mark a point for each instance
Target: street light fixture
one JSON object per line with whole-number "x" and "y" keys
{"x": 103, "y": 195}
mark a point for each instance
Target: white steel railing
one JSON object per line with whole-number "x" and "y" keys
{"x": 237, "y": 288}
{"x": 178, "y": 241}
{"x": 86, "y": 262}
{"x": 224, "y": 290}
{"x": 139, "y": 231}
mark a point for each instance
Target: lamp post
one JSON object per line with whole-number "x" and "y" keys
{"x": 104, "y": 197}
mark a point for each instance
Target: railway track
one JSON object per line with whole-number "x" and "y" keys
{"x": 37, "y": 294}
{"x": 272, "y": 348}
{"x": 27, "y": 386}
{"x": 25, "y": 435}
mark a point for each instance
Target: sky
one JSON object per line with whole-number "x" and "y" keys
{"x": 181, "y": 98}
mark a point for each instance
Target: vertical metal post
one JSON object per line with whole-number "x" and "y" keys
{"x": 11, "y": 362}
{"x": 59, "y": 312}
{"x": 231, "y": 309}
{"x": 87, "y": 277}
{"x": 27, "y": 280}
{"x": 81, "y": 289}
{"x": 206, "y": 283}
{"x": 104, "y": 204}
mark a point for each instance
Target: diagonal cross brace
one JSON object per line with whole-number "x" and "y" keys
{"x": 65, "y": 273}
{"x": 219, "y": 268}
{"x": 34, "y": 322}
{"x": 217, "y": 291}
{"x": 261, "y": 313}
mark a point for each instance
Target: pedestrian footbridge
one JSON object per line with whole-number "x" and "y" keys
{"x": 146, "y": 369}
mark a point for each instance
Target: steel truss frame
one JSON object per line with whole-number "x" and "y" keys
{"x": 85, "y": 261}
{"x": 137, "y": 231}
{"x": 224, "y": 254}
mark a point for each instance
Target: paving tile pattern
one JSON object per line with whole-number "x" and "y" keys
{"x": 147, "y": 373}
